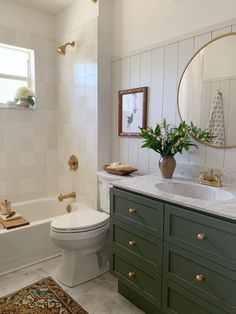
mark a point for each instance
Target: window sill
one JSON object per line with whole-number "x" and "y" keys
{"x": 2, "y": 106}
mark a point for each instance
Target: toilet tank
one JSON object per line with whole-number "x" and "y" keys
{"x": 105, "y": 182}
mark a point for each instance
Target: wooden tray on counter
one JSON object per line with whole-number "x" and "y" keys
{"x": 120, "y": 172}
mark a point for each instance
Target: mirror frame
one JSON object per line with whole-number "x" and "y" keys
{"x": 181, "y": 78}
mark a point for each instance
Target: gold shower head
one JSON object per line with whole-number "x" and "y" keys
{"x": 62, "y": 49}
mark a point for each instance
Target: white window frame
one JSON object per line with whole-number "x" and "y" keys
{"x": 30, "y": 78}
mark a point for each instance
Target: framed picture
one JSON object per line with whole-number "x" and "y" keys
{"x": 132, "y": 111}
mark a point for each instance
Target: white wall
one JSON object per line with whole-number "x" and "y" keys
{"x": 104, "y": 82}
{"x": 28, "y": 138}
{"x": 75, "y": 15}
{"x": 28, "y": 19}
{"x": 141, "y": 23}
{"x": 160, "y": 70}
{"x": 77, "y": 100}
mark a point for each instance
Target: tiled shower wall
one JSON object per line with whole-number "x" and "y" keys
{"x": 160, "y": 69}
{"x": 28, "y": 138}
{"x": 77, "y": 112}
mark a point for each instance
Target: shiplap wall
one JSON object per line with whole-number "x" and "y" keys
{"x": 160, "y": 70}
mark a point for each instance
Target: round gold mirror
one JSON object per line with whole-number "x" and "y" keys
{"x": 207, "y": 90}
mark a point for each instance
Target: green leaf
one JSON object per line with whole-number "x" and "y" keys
{"x": 169, "y": 140}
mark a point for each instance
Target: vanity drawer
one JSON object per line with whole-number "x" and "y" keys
{"x": 208, "y": 280}
{"x": 145, "y": 283}
{"x": 137, "y": 244}
{"x": 141, "y": 212}
{"x": 177, "y": 300}
{"x": 207, "y": 236}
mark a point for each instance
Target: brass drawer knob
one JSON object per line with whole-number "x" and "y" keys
{"x": 201, "y": 236}
{"x": 132, "y": 210}
{"x": 132, "y": 243}
{"x": 200, "y": 277}
{"x": 131, "y": 274}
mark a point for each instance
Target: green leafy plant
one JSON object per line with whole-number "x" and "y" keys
{"x": 168, "y": 140}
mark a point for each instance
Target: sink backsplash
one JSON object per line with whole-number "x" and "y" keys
{"x": 193, "y": 171}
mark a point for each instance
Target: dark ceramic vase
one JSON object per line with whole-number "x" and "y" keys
{"x": 167, "y": 166}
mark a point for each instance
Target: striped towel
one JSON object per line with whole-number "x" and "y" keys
{"x": 215, "y": 124}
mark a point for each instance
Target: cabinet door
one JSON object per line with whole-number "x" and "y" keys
{"x": 207, "y": 236}
{"x": 208, "y": 280}
{"x": 143, "y": 213}
{"x": 177, "y": 300}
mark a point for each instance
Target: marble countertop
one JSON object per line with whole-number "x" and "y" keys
{"x": 146, "y": 185}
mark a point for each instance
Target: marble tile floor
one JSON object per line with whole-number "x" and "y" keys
{"x": 97, "y": 296}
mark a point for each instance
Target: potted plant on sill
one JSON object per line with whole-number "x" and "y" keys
{"x": 25, "y": 96}
{"x": 168, "y": 140}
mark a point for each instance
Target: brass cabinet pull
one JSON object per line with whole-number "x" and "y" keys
{"x": 132, "y": 210}
{"x": 132, "y": 243}
{"x": 201, "y": 236}
{"x": 131, "y": 274}
{"x": 200, "y": 277}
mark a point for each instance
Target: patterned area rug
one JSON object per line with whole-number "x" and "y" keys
{"x": 42, "y": 297}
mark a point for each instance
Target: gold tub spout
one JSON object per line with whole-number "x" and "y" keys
{"x": 62, "y": 197}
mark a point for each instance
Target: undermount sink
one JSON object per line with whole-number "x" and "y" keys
{"x": 195, "y": 191}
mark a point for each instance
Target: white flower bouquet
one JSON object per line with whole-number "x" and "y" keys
{"x": 25, "y": 95}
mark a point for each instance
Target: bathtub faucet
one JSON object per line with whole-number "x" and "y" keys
{"x": 62, "y": 197}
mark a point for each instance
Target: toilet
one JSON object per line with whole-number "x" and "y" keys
{"x": 81, "y": 234}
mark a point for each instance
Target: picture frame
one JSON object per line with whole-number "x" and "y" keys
{"x": 132, "y": 111}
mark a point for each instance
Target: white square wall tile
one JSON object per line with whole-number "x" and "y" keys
{"x": 12, "y": 131}
{"x": 40, "y": 144}
{"x": 11, "y": 116}
{"x": 91, "y": 131}
{"x": 25, "y": 130}
{"x": 3, "y": 160}
{"x": 12, "y": 146}
{"x": 52, "y": 157}
{"x": 28, "y": 186}
{"x": 13, "y": 160}
{"x": 3, "y": 189}
{"x": 25, "y": 116}
{"x": 26, "y": 144}
{"x": 26, "y": 158}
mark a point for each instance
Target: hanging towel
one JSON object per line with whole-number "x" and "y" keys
{"x": 215, "y": 124}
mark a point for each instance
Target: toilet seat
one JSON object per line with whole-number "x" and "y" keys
{"x": 80, "y": 221}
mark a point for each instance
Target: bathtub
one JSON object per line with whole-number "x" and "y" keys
{"x": 30, "y": 244}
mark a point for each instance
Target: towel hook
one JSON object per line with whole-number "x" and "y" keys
{"x": 219, "y": 93}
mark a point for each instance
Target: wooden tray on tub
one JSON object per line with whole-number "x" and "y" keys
{"x": 18, "y": 222}
{"x": 119, "y": 170}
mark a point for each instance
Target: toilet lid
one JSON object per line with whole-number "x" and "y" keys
{"x": 79, "y": 221}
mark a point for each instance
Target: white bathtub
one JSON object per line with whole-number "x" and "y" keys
{"x": 26, "y": 245}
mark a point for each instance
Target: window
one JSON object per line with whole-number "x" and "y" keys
{"x": 16, "y": 70}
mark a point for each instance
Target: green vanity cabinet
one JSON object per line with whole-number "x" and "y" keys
{"x": 137, "y": 248}
{"x": 171, "y": 259}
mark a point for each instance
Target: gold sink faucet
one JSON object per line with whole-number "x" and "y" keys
{"x": 62, "y": 197}
{"x": 210, "y": 178}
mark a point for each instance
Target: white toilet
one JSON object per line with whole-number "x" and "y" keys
{"x": 80, "y": 235}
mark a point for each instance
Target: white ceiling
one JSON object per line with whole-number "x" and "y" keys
{"x": 50, "y": 6}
